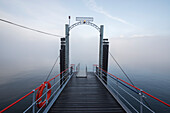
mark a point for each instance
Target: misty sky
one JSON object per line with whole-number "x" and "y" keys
{"x": 138, "y": 32}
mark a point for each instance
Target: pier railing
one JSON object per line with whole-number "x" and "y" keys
{"x": 56, "y": 89}
{"x": 118, "y": 88}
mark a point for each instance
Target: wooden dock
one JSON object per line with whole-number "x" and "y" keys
{"x": 85, "y": 95}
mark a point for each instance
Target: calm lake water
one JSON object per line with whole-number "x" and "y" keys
{"x": 20, "y": 84}
{"x": 156, "y": 85}
{"x": 16, "y": 86}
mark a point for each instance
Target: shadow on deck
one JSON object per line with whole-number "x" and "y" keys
{"x": 84, "y": 95}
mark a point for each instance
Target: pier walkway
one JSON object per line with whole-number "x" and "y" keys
{"x": 86, "y": 95}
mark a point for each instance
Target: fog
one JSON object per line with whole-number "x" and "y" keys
{"x": 84, "y": 48}
{"x": 24, "y": 50}
{"x": 149, "y": 53}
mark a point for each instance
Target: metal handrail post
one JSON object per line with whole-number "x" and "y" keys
{"x": 141, "y": 101}
{"x": 61, "y": 81}
{"x": 46, "y": 87}
{"x": 71, "y": 70}
{"x": 96, "y": 70}
{"x": 33, "y": 100}
{"x": 100, "y": 73}
{"x": 93, "y": 69}
{"x": 67, "y": 72}
{"x": 74, "y": 68}
{"x": 117, "y": 84}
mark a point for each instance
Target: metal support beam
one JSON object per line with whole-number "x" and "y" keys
{"x": 86, "y": 23}
{"x": 67, "y": 45}
{"x": 101, "y": 29}
{"x": 105, "y": 58}
{"x": 62, "y": 59}
{"x": 101, "y": 48}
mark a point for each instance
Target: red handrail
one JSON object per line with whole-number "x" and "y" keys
{"x": 30, "y": 93}
{"x": 137, "y": 88}
{"x": 59, "y": 74}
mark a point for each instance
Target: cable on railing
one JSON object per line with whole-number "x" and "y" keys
{"x": 43, "y": 95}
{"x": 137, "y": 88}
{"x": 58, "y": 74}
{"x": 121, "y": 69}
{"x": 148, "y": 106}
{"x": 124, "y": 85}
{"x": 126, "y": 76}
{"x": 52, "y": 68}
{"x": 22, "y": 26}
{"x": 129, "y": 95}
{"x": 100, "y": 78}
{"x": 46, "y": 92}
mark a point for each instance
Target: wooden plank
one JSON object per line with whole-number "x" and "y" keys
{"x": 83, "y": 95}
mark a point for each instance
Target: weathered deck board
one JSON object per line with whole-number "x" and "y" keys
{"x": 84, "y": 95}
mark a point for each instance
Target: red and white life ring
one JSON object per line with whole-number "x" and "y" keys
{"x": 41, "y": 103}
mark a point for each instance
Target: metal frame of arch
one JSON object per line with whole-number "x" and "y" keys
{"x": 86, "y": 23}
{"x": 67, "y": 30}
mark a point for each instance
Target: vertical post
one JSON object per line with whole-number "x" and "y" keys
{"x": 74, "y": 68}
{"x": 86, "y": 70}
{"x": 101, "y": 48}
{"x": 93, "y": 68}
{"x": 61, "y": 79}
{"x": 141, "y": 101}
{"x": 46, "y": 87}
{"x": 97, "y": 71}
{"x": 105, "y": 59}
{"x": 69, "y": 17}
{"x": 71, "y": 71}
{"x": 33, "y": 100}
{"x": 117, "y": 87}
{"x": 62, "y": 59}
{"x": 67, "y": 45}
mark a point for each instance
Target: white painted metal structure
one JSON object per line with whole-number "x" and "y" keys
{"x": 84, "y": 21}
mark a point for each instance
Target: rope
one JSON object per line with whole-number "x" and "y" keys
{"x": 121, "y": 68}
{"x": 25, "y": 27}
{"x": 52, "y": 68}
{"x": 127, "y": 77}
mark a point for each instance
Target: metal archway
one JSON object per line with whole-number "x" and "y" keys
{"x": 67, "y": 30}
{"x": 84, "y": 23}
